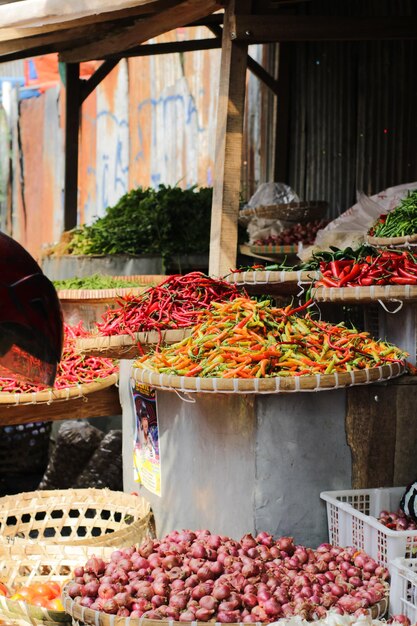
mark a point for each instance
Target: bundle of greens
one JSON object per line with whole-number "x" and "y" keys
{"x": 168, "y": 221}
{"x": 400, "y": 222}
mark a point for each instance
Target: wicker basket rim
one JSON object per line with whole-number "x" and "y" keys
{"x": 48, "y": 498}
{"x": 53, "y": 395}
{"x": 271, "y": 385}
{"x": 105, "y": 295}
{"x": 271, "y": 247}
{"x": 386, "y": 241}
{"x": 152, "y": 337}
{"x": 269, "y": 277}
{"x": 83, "y": 499}
{"x": 365, "y": 294}
{"x": 306, "y": 204}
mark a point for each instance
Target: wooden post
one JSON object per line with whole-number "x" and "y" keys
{"x": 228, "y": 154}
{"x": 72, "y": 125}
{"x": 283, "y": 116}
{"x": 380, "y": 430}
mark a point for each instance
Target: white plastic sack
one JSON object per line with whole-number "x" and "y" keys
{"x": 265, "y": 195}
{"x": 350, "y": 228}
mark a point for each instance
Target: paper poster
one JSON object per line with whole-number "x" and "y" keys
{"x": 146, "y": 458}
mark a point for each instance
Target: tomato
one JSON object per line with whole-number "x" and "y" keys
{"x": 39, "y": 600}
{"x": 43, "y": 589}
{"x": 26, "y": 593}
{"x": 54, "y": 587}
{"x": 3, "y": 590}
{"x": 55, "y": 605}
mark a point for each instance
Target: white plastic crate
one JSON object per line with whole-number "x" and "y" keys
{"x": 352, "y": 521}
{"x": 403, "y": 588}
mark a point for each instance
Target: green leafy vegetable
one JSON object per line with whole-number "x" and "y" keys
{"x": 400, "y": 222}
{"x": 167, "y": 221}
{"x": 96, "y": 281}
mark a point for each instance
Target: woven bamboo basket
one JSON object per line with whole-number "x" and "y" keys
{"x": 88, "y": 305}
{"x": 383, "y": 293}
{"x": 22, "y": 565}
{"x": 81, "y": 517}
{"x": 57, "y": 395}
{"x": 97, "y": 618}
{"x": 125, "y": 347}
{"x": 107, "y": 295}
{"x": 275, "y": 250}
{"x": 390, "y": 241}
{"x": 277, "y": 384}
{"x": 271, "y": 277}
{"x": 290, "y": 212}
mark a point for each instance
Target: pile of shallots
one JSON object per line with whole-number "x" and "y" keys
{"x": 189, "y": 576}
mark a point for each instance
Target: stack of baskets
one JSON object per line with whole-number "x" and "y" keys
{"x": 44, "y": 535}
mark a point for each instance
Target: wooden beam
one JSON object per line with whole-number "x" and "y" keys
{"x": 97, "y": 404}
{"x": 269, "y": 28}
{"x": 72, "y": 126}
{"x": 48, "y": 14}
{"x": 228, "y": 153}
{"x": 58, "y": 40}
{"x": 182, "y": 13}
{"x": 253, "y": 66}
{"x": 169, "y": 48}
{"x": 88, "y": 86}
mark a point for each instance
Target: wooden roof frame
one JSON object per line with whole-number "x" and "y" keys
{"x": 121, "y": 33}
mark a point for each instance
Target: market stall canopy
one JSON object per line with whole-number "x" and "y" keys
{"x": 91, "y": 29}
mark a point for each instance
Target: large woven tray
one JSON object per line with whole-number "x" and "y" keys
{"x": 383, "y": 293}
{"x": 57, "y": 395}
{"x": 390, "y": 241}
{"x": 125, "y": 347}
{"x": 107, "y": 295}
{"x": 23, "y": 564}
{"x": 290, "y": 212}
{"x": 96, "y": 618}
{"x": 278, "y": 384}
{"x": 82, "y": 517}
{"x": 271, "y": 277}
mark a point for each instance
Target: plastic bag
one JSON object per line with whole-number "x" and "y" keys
{"x": 105, "y": 468}
{"x": 350, "y": 228}
{"x": 76, "y": 443}
{"x": 265, "y": 195}
{"x": 272, "y": 193}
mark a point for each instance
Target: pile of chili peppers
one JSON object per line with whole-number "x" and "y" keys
{"x": 175, "y": 303}
{"x": 384, "y": 267}
{"x": 400, "y": 222}
{"x": 248, "y": 339}
{"x": 73, "y": 368}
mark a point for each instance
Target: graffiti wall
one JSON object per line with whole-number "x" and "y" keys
{"x": 151, "y": 121}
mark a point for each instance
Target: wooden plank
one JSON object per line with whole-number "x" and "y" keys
{"x": 263, "y": 29}
{"x": 72, "y": 127}
{"x": 58, "y": 40}
{"x": 179, "y": 15}
{"x": 228, "y": 153}
{"x": 48, "y": 14}
{"x": 371, "y": 434}
{"x": 151, "y": 7}
{"x": 169, "y": 48}
{"x": 99, "y": 404}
